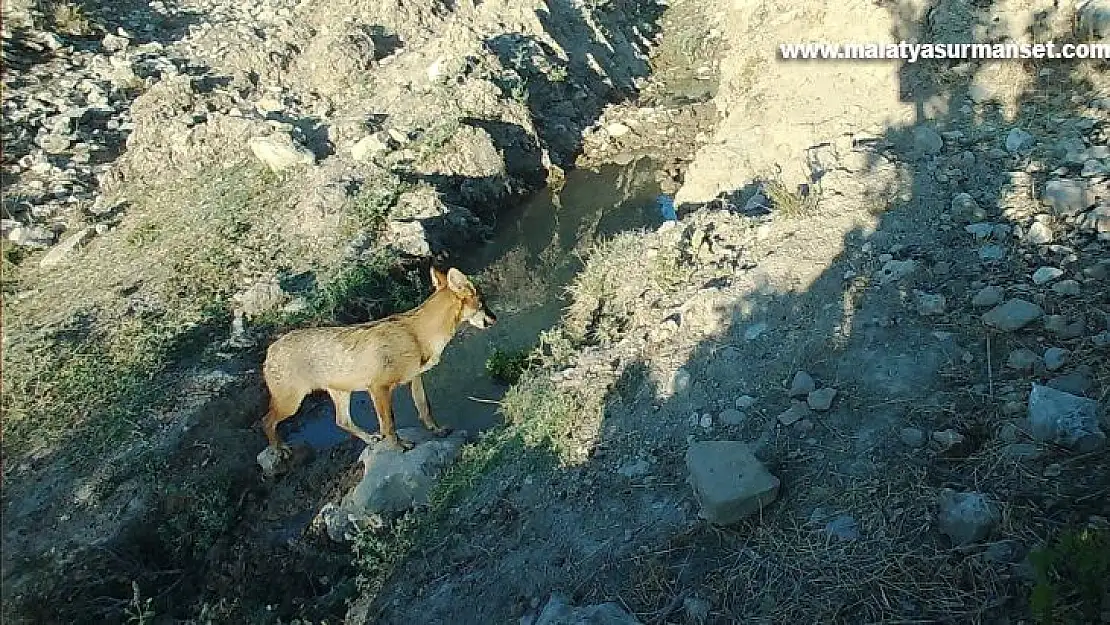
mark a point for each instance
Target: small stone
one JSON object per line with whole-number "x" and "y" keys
{"x": 796, "y": 412}
{"x": 843, "y": 527}
{"x": 1022, "y": 359}
{"x": 1067, "y": 197}
{"x": 1064, "y": 419}
{"x": 617, "y": 129}
{"x": 732, "y": 417}
{"x": 729, "y": 483}
{"x": 744, "y": 402}
{"x": 1009, "y": 433}
{"x": 1096, "y": 220}
{"x": 272, "y": 461}
{"x": 281, "y": 151}
{"x": 1068, "y": 288}
{"x": 1018, "y": 141}
{"x": 1061, "y": 327}
{"x": 912, "y": 437}
{"x": 754, "y": 331}
{"x": 706, "y": 421}
{"x": 802, "y": 384}
{"x": 1022, "y": 451}
{"x": 966, "y": 517}
{"x": 367, "y": 148}
{"x": 114, "y": 43}
{"x": 981, "y": 230}
{"x": 992, "y": 253}
{"x": 930, "y": 304}
{"x": 262, "y": 297}
{"x": 927, "y": 141}
{"x": 1055, "y": 358}
{"x": 948, "y": 440}
{"x": 1044, "y": 275}
{"x": 1013, "y": 315}
{"x": 821, "y": 399}
{"x": 894, "y": 270}
{"x": 1098, "y": 271}
{"x": 988, "y": 297}
{"x": 680, "y": 381}
{"x": 1039, "y": 233}
{"x": 1093, "y": 168}
{"x": 965, "y": 209}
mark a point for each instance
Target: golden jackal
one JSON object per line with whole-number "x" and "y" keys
{"x": 375, "y": 357}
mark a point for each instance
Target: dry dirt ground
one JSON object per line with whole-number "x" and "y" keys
{"x": 692, "y": 331}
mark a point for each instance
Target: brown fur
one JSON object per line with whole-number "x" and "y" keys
{"x": 375, "y": 356}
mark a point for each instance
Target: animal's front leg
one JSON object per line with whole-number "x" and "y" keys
{"x": 342, "y": 401}
{"x": 383, "y": 405}
{"x": 424, "y": 409}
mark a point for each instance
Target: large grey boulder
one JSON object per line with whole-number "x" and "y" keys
{"x": 729, "y": 482}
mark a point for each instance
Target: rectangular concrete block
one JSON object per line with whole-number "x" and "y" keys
{"x": 729, "y": 482}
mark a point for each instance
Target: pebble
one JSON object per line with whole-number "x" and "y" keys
{"x": 821, "y": 400}
{"x": 802, "y": 384}
{"x": 1013, "y": 315}
{"x": 1023, "y": 359}
{"x": 1044, "y": 275}
{"x": 930, "y": 305}
{"x": 988, "y": 297}
{"x": 1055, "y": 358}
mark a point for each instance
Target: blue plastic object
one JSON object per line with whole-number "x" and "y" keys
{"x": 666, "y": 207}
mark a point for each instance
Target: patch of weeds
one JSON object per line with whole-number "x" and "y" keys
{"x": 791, "y": 203}
{"x": 68, "y": 18}
{"x": 507, "y": 366}
{"x": 371, "y": 289}
{"x": 139, "y": 612}
{"x": 557, "y": 73}
{"x": 196, "y": 514}
{"x": 1071, "y": 574}
{"x": 603, "y": 297}
{"x": 144, "y": 234}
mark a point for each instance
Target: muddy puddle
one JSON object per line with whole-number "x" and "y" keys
{"x": 524, "y": 269}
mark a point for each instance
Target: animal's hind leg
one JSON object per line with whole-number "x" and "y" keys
{"x": 423, "y": 409}
{"x": 282, "y": 406}
{"x": 342, "y": 401}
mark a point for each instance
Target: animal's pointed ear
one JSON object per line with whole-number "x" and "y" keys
{"x": 458, "y": 281}
{"x": 439, "y": 279}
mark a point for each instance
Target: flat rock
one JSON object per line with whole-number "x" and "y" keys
{"x": 1062, "y": 327}
{"x": 988, "y": 296}
{"x": 1067, "y": 197}
{"x": 797, "y": 411}
{"x": 1023, "y": 359}
{"x": 395, "y": 481}
{"x": 59, "y": 252}
{"x": 1064, "y": 419}
{"x": 821, "y": 399}
{"x": 1068, "y": 288}
{"x": 895, "y": 270}
{"x": 729, "y": 482}
{"x": 1012, "y": 315}
{"x": 732, "y": 416}
{"x": 966, "y": 517}
{"x": 1044, "y": 275}
{"x": 559, "y": 611}
{"x": 912, "y": 437}
{"x": 280, "y": 151}
{"x": 965, "y": 209}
